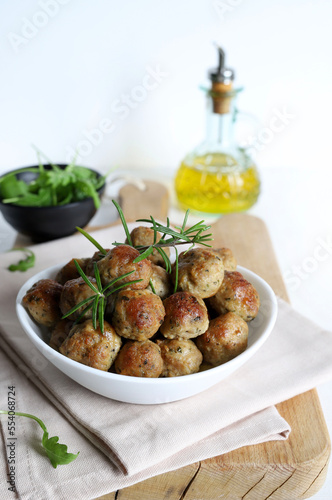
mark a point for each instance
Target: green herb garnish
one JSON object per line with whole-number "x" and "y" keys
{"x": 51, "y": 187}
{"x": 56, "y": 452}
{"x": 93, "y": 241}
{"x": 23, "y": 264}
{"x": 98, "y": 301}
{"x": 193, "y": 235}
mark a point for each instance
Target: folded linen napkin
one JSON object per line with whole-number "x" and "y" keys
{"x": 92, "y": 474}
{"x": 297, "y": 355}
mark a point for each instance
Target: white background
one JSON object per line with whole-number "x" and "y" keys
{"x": 67, "y": 66}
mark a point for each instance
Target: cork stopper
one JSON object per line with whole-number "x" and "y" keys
{"x": 222, "y": 85}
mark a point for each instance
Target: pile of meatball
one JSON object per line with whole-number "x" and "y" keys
{"x": 149, "y": 331}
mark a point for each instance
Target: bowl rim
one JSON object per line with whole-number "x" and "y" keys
{"x": 52, "y": 207}
{"x": 42, "y": 345}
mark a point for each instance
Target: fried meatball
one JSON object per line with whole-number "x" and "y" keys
{"x": 119, "y": 261}
{"x": 228, "y": 258}
{"x": 42, "y": 302}
{"x": 138, "y": 314}
{"x": 90, "y": 346}
{"x": 161, "y": 282}
{"x": 186, "y": 316}
{"x": 237, "y": 295}
{"x": 144, "y": 236}
{"x": 97, "y": 256}
{"x": 59, "y": 333}
{"x": 180, "y": 357}
{"x": 226, "y": 338}
{"x": 74, "y": 291}
{"x": 201, "y": 272}
{"x": 139, "y": 359}
{"x": 69, "y": 271}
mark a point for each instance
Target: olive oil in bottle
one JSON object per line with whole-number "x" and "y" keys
{"x": 218, "y": 177}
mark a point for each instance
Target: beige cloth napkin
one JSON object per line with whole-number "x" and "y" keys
{"x": 92, "y": 474}
{"x": 143, "y": 441}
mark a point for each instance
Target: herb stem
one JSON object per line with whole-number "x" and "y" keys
{"x": 40, "y": 422}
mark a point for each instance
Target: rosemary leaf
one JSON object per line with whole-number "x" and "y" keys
{"x": 121, "y": 286}
{"x": 94, "y": 312}
{"x": 205, "y": 244}
{"x": 144, "y": 255}
{"x": 115, "y": 280}
{"x": 185, "y": 220}
{"x": 152, "y": 287}
{"x": 83, "y": 313}
{"x": 101, "y": 312}
{"x": 97, "y": 276}
{"x": 176, "y": 270}
{"x": 124, "y": 223}
{"x": 93, "y": 241}
{"x": 77, "y": 306}
{"x": 85, "y": 278}
{"x": 166, "y": 259}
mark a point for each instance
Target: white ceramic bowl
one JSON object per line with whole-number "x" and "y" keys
{"x": 151, "y": 390}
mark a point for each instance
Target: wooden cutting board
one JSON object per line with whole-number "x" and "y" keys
{"x": 281, "y": 470}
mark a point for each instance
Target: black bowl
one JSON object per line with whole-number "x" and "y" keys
{"x": 48, "y": 223}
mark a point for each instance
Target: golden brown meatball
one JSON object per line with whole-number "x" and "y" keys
{"x": 180, "y": 357}
{"x": 161, "y": 281}
{"x": 237, "y": 295}
{"x": 139, "y": 359}
{"x": 69, "y": 271}
{"x": 90, "y": 346}
{"x": 97, "y": 256}
{"x": 73, "y": 292}
{"x": 186, "y": 316}
{"x": 228, "y": 258}
{"x": 138, "y": 314}
{"x": 59, "y": 333}
{"x": 201, "y": 272}
{"x": 42, "y": 302}
{"x": 144, "y": 236}
{"x": 119, "y": 261}
{"x": 226, "y": 338}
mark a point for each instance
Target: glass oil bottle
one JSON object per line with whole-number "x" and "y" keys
{"x": 218, "y": 177}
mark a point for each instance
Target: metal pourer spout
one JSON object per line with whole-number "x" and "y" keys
{"x": 222, "y": 84}
{"x": 221, "y": 74}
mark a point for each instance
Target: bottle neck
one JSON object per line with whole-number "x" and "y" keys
{"x": 220, "y": 127}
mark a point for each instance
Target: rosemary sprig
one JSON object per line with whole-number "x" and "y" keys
{"x": 196, "y": 234}
{"x": 193, "y": 235}
{"x": 98, "y": 301}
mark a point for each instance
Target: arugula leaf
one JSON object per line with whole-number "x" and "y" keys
{"x": 10, "y": 187}
{"x": 51, "y": 187}
{"x": 56, "y": 452}
{"x": 23, "y": 264}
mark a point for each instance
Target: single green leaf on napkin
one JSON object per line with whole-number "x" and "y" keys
{"x": 56, "y": 452}
{"x": 23, "y": 264}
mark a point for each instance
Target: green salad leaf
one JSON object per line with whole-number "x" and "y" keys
{"x": 23, "y": 264}
{"x": 56, "y": 452}
{"x": 51, "y": 186}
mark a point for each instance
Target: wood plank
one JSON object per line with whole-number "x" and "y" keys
{"x": 172, "y": 485}
{"x": 139, "y": 204}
